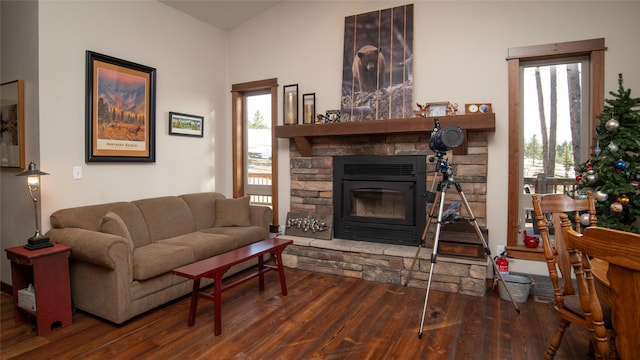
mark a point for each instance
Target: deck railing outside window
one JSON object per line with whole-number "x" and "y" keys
{"x": 257, "y": 197}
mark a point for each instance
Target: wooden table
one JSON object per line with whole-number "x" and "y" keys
{"x": 621, "y": 250}
{"x": 48, "y": 270}
{"x": 215, "y": 268}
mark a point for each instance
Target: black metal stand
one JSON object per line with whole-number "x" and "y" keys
{"x": 443, "y": 167}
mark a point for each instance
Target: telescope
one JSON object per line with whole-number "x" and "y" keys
{"x": 445, "y": 139}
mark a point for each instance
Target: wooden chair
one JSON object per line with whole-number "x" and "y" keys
{"x": 582, "y": 308}
{"x": 621, "y": 251}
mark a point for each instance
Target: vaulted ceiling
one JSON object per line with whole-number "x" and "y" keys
{"x": 223, "y": 14}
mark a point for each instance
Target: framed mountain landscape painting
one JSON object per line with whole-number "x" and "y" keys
{"x": 120, "y": 110}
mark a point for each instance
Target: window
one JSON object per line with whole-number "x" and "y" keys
{"x": 255, "y": 154}
{"x": 258, "y": 147}
{"x": 555, "y": 92}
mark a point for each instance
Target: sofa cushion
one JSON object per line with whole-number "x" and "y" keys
{"x": 113, "y": 224}
{"x": 232, "y": 212}
{"x": 166, "y": 217}
{"x": 156, "y": 259}
{"x": 242, "y": 236}
{"x": 203, "y": 208}
{"x": 204, "y": 245}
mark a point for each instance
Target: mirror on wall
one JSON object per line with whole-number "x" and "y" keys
{"x": 12, "y": 124}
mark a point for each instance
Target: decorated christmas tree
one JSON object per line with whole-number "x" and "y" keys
{"x": 613, "y": 172}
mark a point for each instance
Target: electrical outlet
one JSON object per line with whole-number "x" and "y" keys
{"x": 500, "y": 249}
{"x": 77, "y": 172}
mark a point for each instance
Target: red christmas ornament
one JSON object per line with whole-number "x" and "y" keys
{"x": 579, "y": 178}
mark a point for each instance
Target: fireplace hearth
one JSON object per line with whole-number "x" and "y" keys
{"x": 379, "y": 198}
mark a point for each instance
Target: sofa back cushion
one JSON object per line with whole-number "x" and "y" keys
{"x": 90, "y": 217}
{"x": 203, "y": 208}
{"x": 232, "y": 212}
{"x": 166, "y": 217}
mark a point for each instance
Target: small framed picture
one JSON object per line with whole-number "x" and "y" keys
{"x": 186, "y": 125}
{"x": 437, "y": 108}
{"x": 332, "y": 116}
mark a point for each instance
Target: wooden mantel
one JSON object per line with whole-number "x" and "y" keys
{"x": 303, "y": 134}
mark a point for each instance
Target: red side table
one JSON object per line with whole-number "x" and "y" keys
{"x": 48, "y": 270}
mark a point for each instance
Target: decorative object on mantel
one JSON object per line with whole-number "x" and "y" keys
{"x": 422, "y": 110}
{"x": 313, "y": 226}
{"x": 377, "y": 69}
{"x": 437, "y": 108}
{"x": 475, "y": 108}
{"x": 452, "y": 109}
{"x": 308, "y": 108}
{"x": 290, "y": 104}
{"x": 332, "y": 116}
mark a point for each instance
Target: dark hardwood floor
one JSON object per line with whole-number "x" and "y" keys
{"x": 323, "y": 317}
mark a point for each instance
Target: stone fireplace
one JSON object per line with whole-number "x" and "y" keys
{"x": 313, "y": 189}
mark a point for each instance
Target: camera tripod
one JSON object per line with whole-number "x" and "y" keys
{"x": 444, "y": 168}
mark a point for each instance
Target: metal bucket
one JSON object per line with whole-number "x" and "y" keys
{"x": 519, "y": 287}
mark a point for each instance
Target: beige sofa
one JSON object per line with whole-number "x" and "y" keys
{"x": 123, "y": 252}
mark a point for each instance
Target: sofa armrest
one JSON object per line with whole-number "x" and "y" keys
{"x": 260, "y": 215}
{"x": 94, "y": 247}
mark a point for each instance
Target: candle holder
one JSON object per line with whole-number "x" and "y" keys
{"x": 308, "y": 108}
{"x": 290, "y": 104}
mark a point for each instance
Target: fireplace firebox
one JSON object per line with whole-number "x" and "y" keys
{"x": 379, "y": 198}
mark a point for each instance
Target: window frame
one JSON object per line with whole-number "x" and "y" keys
{"x": 593, "y": 49}
{"x": 238, "y": 92}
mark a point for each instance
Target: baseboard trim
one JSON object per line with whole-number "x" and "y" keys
{"x": 4, "y": 287}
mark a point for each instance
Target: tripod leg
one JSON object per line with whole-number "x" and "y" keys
{"x": 434, "y": 255}
{"x": 422, "y": 241}
{"x": 484, "y": 243}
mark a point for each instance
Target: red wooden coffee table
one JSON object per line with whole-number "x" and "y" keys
{"x": 215, "y": 267}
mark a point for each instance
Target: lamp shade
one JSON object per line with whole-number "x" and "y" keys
{"x": 32, "y": 170}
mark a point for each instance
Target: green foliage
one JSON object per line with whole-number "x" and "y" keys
{"x": 257, "y": 122}
{"x": 533, "y": 149}
{"x": 564, "y": 155}
{"x": 615, "y": 144}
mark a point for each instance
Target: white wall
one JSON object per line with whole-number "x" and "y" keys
{"x": 19, "y": 59}
{"x": 460, "y": 50}
{"x": 190, "y": 59}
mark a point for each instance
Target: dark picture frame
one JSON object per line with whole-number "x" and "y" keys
{"x": 120, "y": 110}
{"x": 12, "y": 124}
{"x": 186, "y": 125}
